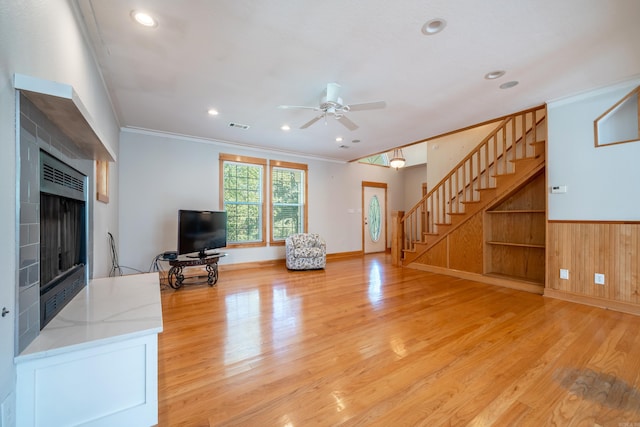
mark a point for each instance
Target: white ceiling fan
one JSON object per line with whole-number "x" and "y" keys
{"x": 332, "y": 105}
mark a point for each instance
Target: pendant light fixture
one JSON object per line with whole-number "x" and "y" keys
{"x": 397, "y": 160}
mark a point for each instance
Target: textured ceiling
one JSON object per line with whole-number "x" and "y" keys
{"x": 245, "y": 58}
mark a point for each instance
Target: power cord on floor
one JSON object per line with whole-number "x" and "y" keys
{"x": 155, "y": 266}
{"x": 114, "y": 257}
{"x": 115, "y": 266}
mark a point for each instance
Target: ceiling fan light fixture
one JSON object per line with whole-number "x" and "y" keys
{"x": 144, "y": 19}
{"x": 397, "y": 159}
{"x": 433, "y": 26}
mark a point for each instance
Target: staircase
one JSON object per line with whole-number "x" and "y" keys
{"x": 505, "y": 160}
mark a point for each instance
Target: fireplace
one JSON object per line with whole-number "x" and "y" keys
{"x": 63, "y": 225}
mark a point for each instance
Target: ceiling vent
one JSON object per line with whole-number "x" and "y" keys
{"x": 238, "y": 125}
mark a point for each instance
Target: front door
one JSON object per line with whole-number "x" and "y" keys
{"x": 374, "y": 212}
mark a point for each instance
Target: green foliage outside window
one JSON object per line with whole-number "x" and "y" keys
{"x": 243, "y": 201}
{"x": 377, "y": 159}
{"x": 287, "y": 187}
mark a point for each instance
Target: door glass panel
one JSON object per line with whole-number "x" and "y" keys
{"x": 374, "y": 219}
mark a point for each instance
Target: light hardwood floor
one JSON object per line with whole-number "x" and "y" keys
{"x": 364, "y": 343}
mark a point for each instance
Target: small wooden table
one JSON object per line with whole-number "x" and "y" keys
{"x": 176, "y": 276}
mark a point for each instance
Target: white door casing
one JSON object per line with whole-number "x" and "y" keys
{"x": 374, "y": 217}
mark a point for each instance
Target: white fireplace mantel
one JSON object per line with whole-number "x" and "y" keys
{"x": 61, "y": 104}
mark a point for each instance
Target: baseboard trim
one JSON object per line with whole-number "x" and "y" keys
{"x": 623, "y": 307}
{"x": 253, "y": 264}
{"x": 497, "y": 281}
{"x": 278, "y": 262}
{"x": 341, "y": 255}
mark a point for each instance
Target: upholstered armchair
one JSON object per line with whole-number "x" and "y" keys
{"x": 305, "y": 251}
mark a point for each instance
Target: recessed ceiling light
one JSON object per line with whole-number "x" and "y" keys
{"x": 339, "y": 139}
{"x": 285, "y": 127}
{"x": 143, "y": 18}
{"x": 508, "y": 85}
{"x": 494, "y": 74}
{"x": 433, "y": 26}
{"x": 213, "y": 112}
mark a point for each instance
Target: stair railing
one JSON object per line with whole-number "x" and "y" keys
{"x": 493, "y": 156}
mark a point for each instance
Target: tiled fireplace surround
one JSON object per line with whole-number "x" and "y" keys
{"x": 37, "y": 132}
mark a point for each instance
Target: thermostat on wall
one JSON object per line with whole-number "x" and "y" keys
{"x": 559, "y": 189}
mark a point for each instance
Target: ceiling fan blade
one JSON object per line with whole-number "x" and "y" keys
{"x": 367, "y": 106}
{"x": 291, "y": 107}
{"x": 333, "y": 92}
{"x": 348, "y": 123}
{"x": 312, "y": 121}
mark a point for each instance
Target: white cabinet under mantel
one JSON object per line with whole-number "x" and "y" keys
{"x": 96, "y": 362}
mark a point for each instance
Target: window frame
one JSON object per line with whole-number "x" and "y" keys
{"x": 249, "y": 161}
{"x": 601, "y": 120}
{"x": 278, "y": 164}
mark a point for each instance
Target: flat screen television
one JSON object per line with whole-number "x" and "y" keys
{"x": 200, "y": 232}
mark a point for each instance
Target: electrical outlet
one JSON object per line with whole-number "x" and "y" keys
{"x": 599, "y": 279}
{"x": 564, "y": 274}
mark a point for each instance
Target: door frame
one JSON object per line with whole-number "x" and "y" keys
{"x": 386, "y": 219}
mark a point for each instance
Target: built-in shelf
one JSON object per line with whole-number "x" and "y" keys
{"x": 515, "y": 234}
{"x": 518, "y": 278}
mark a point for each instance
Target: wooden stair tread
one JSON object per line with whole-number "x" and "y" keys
{"x": 526, "y": 159}
{"x": 503, "y": 174}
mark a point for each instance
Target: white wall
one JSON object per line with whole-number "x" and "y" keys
{"x": 446, "y": 152}
{"x": 40, "y": 39}
{"x": 603, "y": 183}
{"x": 413, "y": 178}
{"x": 160, "y": 174}
{"x": 105, "y": 220}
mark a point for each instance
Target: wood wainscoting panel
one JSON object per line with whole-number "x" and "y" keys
{"x": 465, "y": 246}
{"x": 436, "y": 256}
{"x": 587, "y": 248}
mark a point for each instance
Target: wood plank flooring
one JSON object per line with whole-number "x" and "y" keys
{"x": 364, "y": 343}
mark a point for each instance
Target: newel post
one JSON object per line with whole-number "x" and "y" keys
{"x": 397, "y": 237}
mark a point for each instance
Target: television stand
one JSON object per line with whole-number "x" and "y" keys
{"x": 176, "y": 276}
